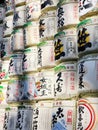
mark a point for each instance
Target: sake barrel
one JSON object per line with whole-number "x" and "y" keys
{"x": 17, "y": 38}
{"x": 15, "y": 65}
{"x": 47, "y": 25}
{"x": 65, "y": 45}
{"x": 28, "y": 87}
{"x": 87, "y": 31}
{"x": 66, "y": 80}
{"x": 87, "y": 109}
{"x": 87, "y": 8}
{"x": 14, "y": 89}
{"x": 33, "y": 10}
{"x": 19, "y": 16}
{"x": 8, "y": 25}
{"x": 88, "y": 73}
{"x": 46, "y": 58}
{"x": 10, "y": 113}
{"x": 67, "y": 115}
{"x": 6, "y": 48}
{"x": 25, "y": 113}
{"x": 45, "y": 84}
{"x": 31, "y": 33}
{"x": 30, "y": 59}
{"x": 4, "y": 75}
{"x": 67, "y": 14}
{"x": 43, "y": 108}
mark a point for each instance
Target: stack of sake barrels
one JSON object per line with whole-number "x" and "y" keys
{"x": 41, "y": 64}
{"x": 12, "y": 46}
{"x": 87, "y": 40}
{"x": 49, "y": 65}
{"x": 66, "y": 56}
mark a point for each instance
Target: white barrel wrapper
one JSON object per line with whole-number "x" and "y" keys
{"x": 19, "y": 17}
{"x": 87, "y": 114}
{"x": 65, "y": 44}
{"x": 46, "y": 58}
{"x": 31, "y": 33}
{"x": 8, "y": 25}
{"x": 15, "y": 65}
{"x": 87, "y": 35}
{"x": 88, "y": 73}
{"x": 66, "y": 80}
{"x": 67, "y": 13}
{"x": 63, "y": 115}
{"x": 33, "y": 10}
{"x": 30, "y": 59}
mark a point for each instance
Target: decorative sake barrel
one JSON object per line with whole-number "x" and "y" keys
{"x": 14, "y": 89}
{"x": 19, "y": 17}
{"x": 10, "y": 113}
{"x": 87, "y": 8}
{"x": 66, "y": 118}
{"x": 87, "y": 109}
{"x": 47, "y": 25}
{"x": 6, "y": 48}
{"x": 4, "y": 74}
{"x": 31, "y": 33}
{"x": 88, "y": 73}
{"x": 15, "y": 65}
{"x": 42, "y": 108}
{"x": 33, "y": 10}
{"x": 28, "y": 87}
{"x": 8, "y": 25}
{"x": 46, "y": 58}
{"x": 17, "y": 38}
{"x": 87, "y": 36}
{"x": 66, "y": 80}
{"x": 67, "y": 14}
{"x": 30, "y": 59}
{"x": 45, "y": 81}
{"x": 65, "y": 45}
{"x": 26, "y": 114}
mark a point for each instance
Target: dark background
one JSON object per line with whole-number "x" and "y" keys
{"x": 1, "y": 1}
